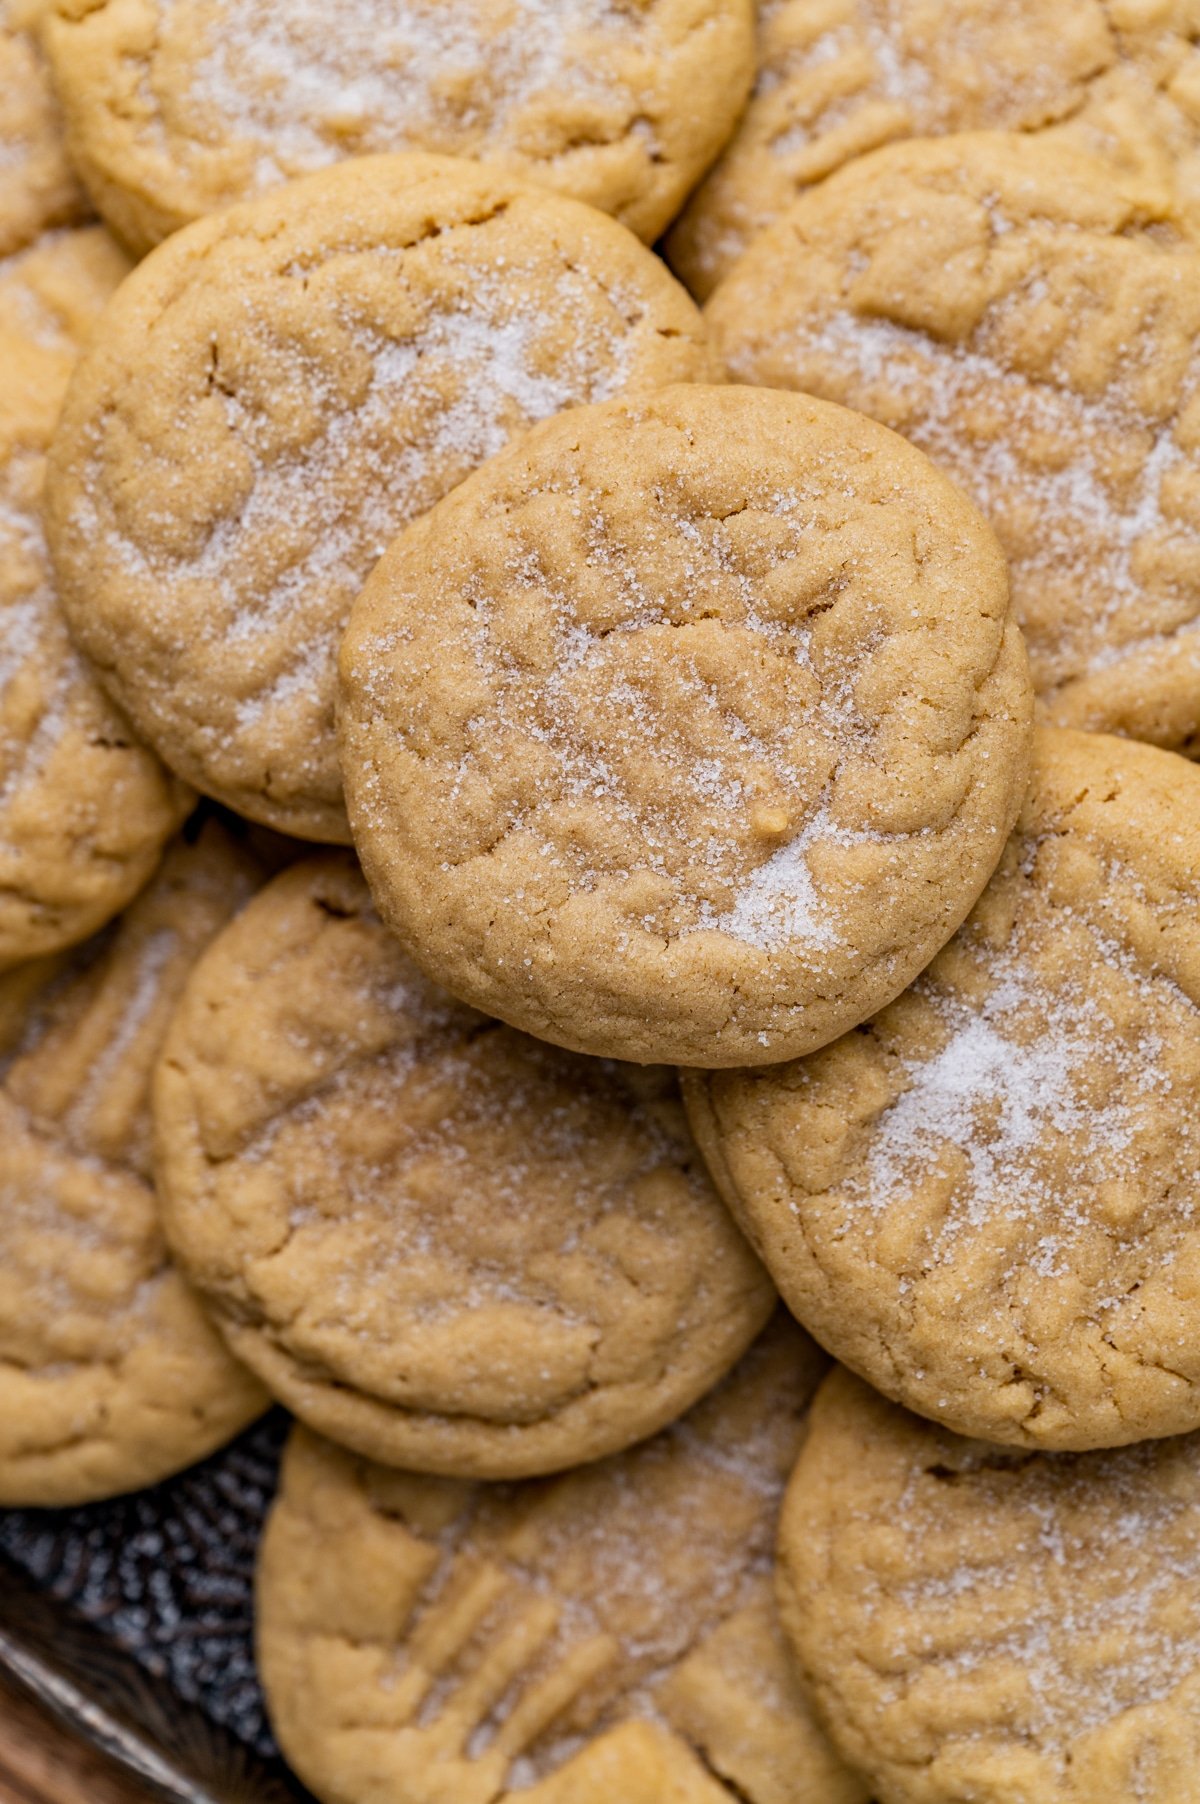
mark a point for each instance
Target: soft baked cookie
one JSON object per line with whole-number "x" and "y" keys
{"x": 436, "y": 1240}
{"x": 985, "y": 1199}
{"x": 839, "y": 78}
{"x": 84, "y": 809}
{"x": 110, "y": 1375}
{"x": 985, "y": 1624}
{"x": 996, "y": 302}
{"x": 605, "y": 1636}
{"x": 38, "y": 187}
{"x": 689, "y": 728}
{"x": 275, "y": 393}
{"x": 177, "y": 107}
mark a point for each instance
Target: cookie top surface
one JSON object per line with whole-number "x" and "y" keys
{"x": 608, "y": 1634}
{"x": 688, "y": 728}
{"x": 983, "y": 1200}
{"x": 998, "y": 304}
{"x": 38, "y": 188}
{"x": 275, "y": 393}
{"x": 439, "y": 1241}
{"x": 110, "y": 1376}
{"x": 84, "y": 809}
{"x": 839, "y": 78}
{"x": 980, "y": 1623}
{"x": 176, "y": 108}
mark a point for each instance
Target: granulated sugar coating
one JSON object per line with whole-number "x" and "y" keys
{"x": 84, "y": 809}
{"x": 38, "y": 187}
{"x": 609, "y": 1634}
{"x": 276, "y": 393}
{"x": 998, "y": 303}
{"x": 175, "y": 108}
{"x": 979, "y": 1623}
{"x": 987, "y": 1199}
{"x": 838, "y": 78}
{"x": 110, "y": 1375}
{"x": 688, "y": 729}
{"x": 441, "y": 1242}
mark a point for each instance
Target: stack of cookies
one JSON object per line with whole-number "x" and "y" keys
{"x": 566, "y": 863}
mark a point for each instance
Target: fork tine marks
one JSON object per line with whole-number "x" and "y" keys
{"x": 553, "y": 1693}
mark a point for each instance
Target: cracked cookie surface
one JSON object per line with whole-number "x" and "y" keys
{"x": 38, "y": 187}
{"x": 688, "y": 729}
{"x": 974, "y": 1622}
{"x": 1000, "y": 305}
{"x": 839, "y": 78}
{"x": 437, "y": 1240}
{"x": 277, "y": 392}
{"x": 84, "y": 809}
{"x": 607, "y": 1634}
{"x": 110, "y": 1375}
{"x": 984, "y": 1200}
{"x": 176, "y": 108}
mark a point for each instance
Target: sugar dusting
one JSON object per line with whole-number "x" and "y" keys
{"x": 1007, "y": 1087}
{"x": 447, "y": 74}
{"x": 1052, "y": 1567}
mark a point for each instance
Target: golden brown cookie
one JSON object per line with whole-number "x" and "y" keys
{"x": 38, "y": 187}
{"x": 604, "y": 1636}
{"x": 996, "y": 302}
{"x": 977, "y": 1623}
{"x": 275, "y": 393}
{"x": 110, "y": 1375}
{"x": 436, "y": 1240}
{"x": 986, "y": 1199}
{"x": 176, "y": 108}
{"x": 839, "y": 78}
{"x": 84, "y": 809}
{"x": 689, "y": 728}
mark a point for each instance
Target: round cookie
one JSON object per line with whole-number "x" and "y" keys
{"x": 985, "y": 1199}
{"x": 607, "y": 1635}
{"x": 38, "y": 187}
{"x": 839, "y": 78}
{"x": 275, "y": 393}
{"x": 110, "y": 1376}
{"x": 978, "y": 1623}
{"x": 84, "y": 809}
{"x": 689, "y": 728}
{"x": 176, "y": 108}
{"x": 996, "y": 302}
{"x": 437, "y": 1241}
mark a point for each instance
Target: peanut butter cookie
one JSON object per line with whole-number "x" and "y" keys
{"x": 689, "y": 728}
{"x": 84, "y": 809}
{"x": 608, "y": 1635}
{"x": 980, "y": 1623}
{"x": 997, "y": 303}
{"x": 275, "y": 393}
{"x": 38, "y": 187}
{"x": 110, "y": 1376}
{"x": 175, "y": 108}
{"x": 839, "y": 78}
{"x": 986, "y": 1199}
{"x": 438, "y": 1241}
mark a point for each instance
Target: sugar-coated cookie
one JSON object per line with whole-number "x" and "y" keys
{"x": 38, "y": 187}
{"x": 605, "y": 1636}
{"x": 997, "y": 302}
{"x": 84, "y": 809}
{"x": 110, "y": 1375}
{"x": 982, "y": 1623}
{"x": 176, "y": 108}
{"x": 446, "y": 1244}
{"x": 275, "y": 392}
{"x": 688, "y": 728}
{"x": 839, "y": 78}
{"x": 986, "y": 1199}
